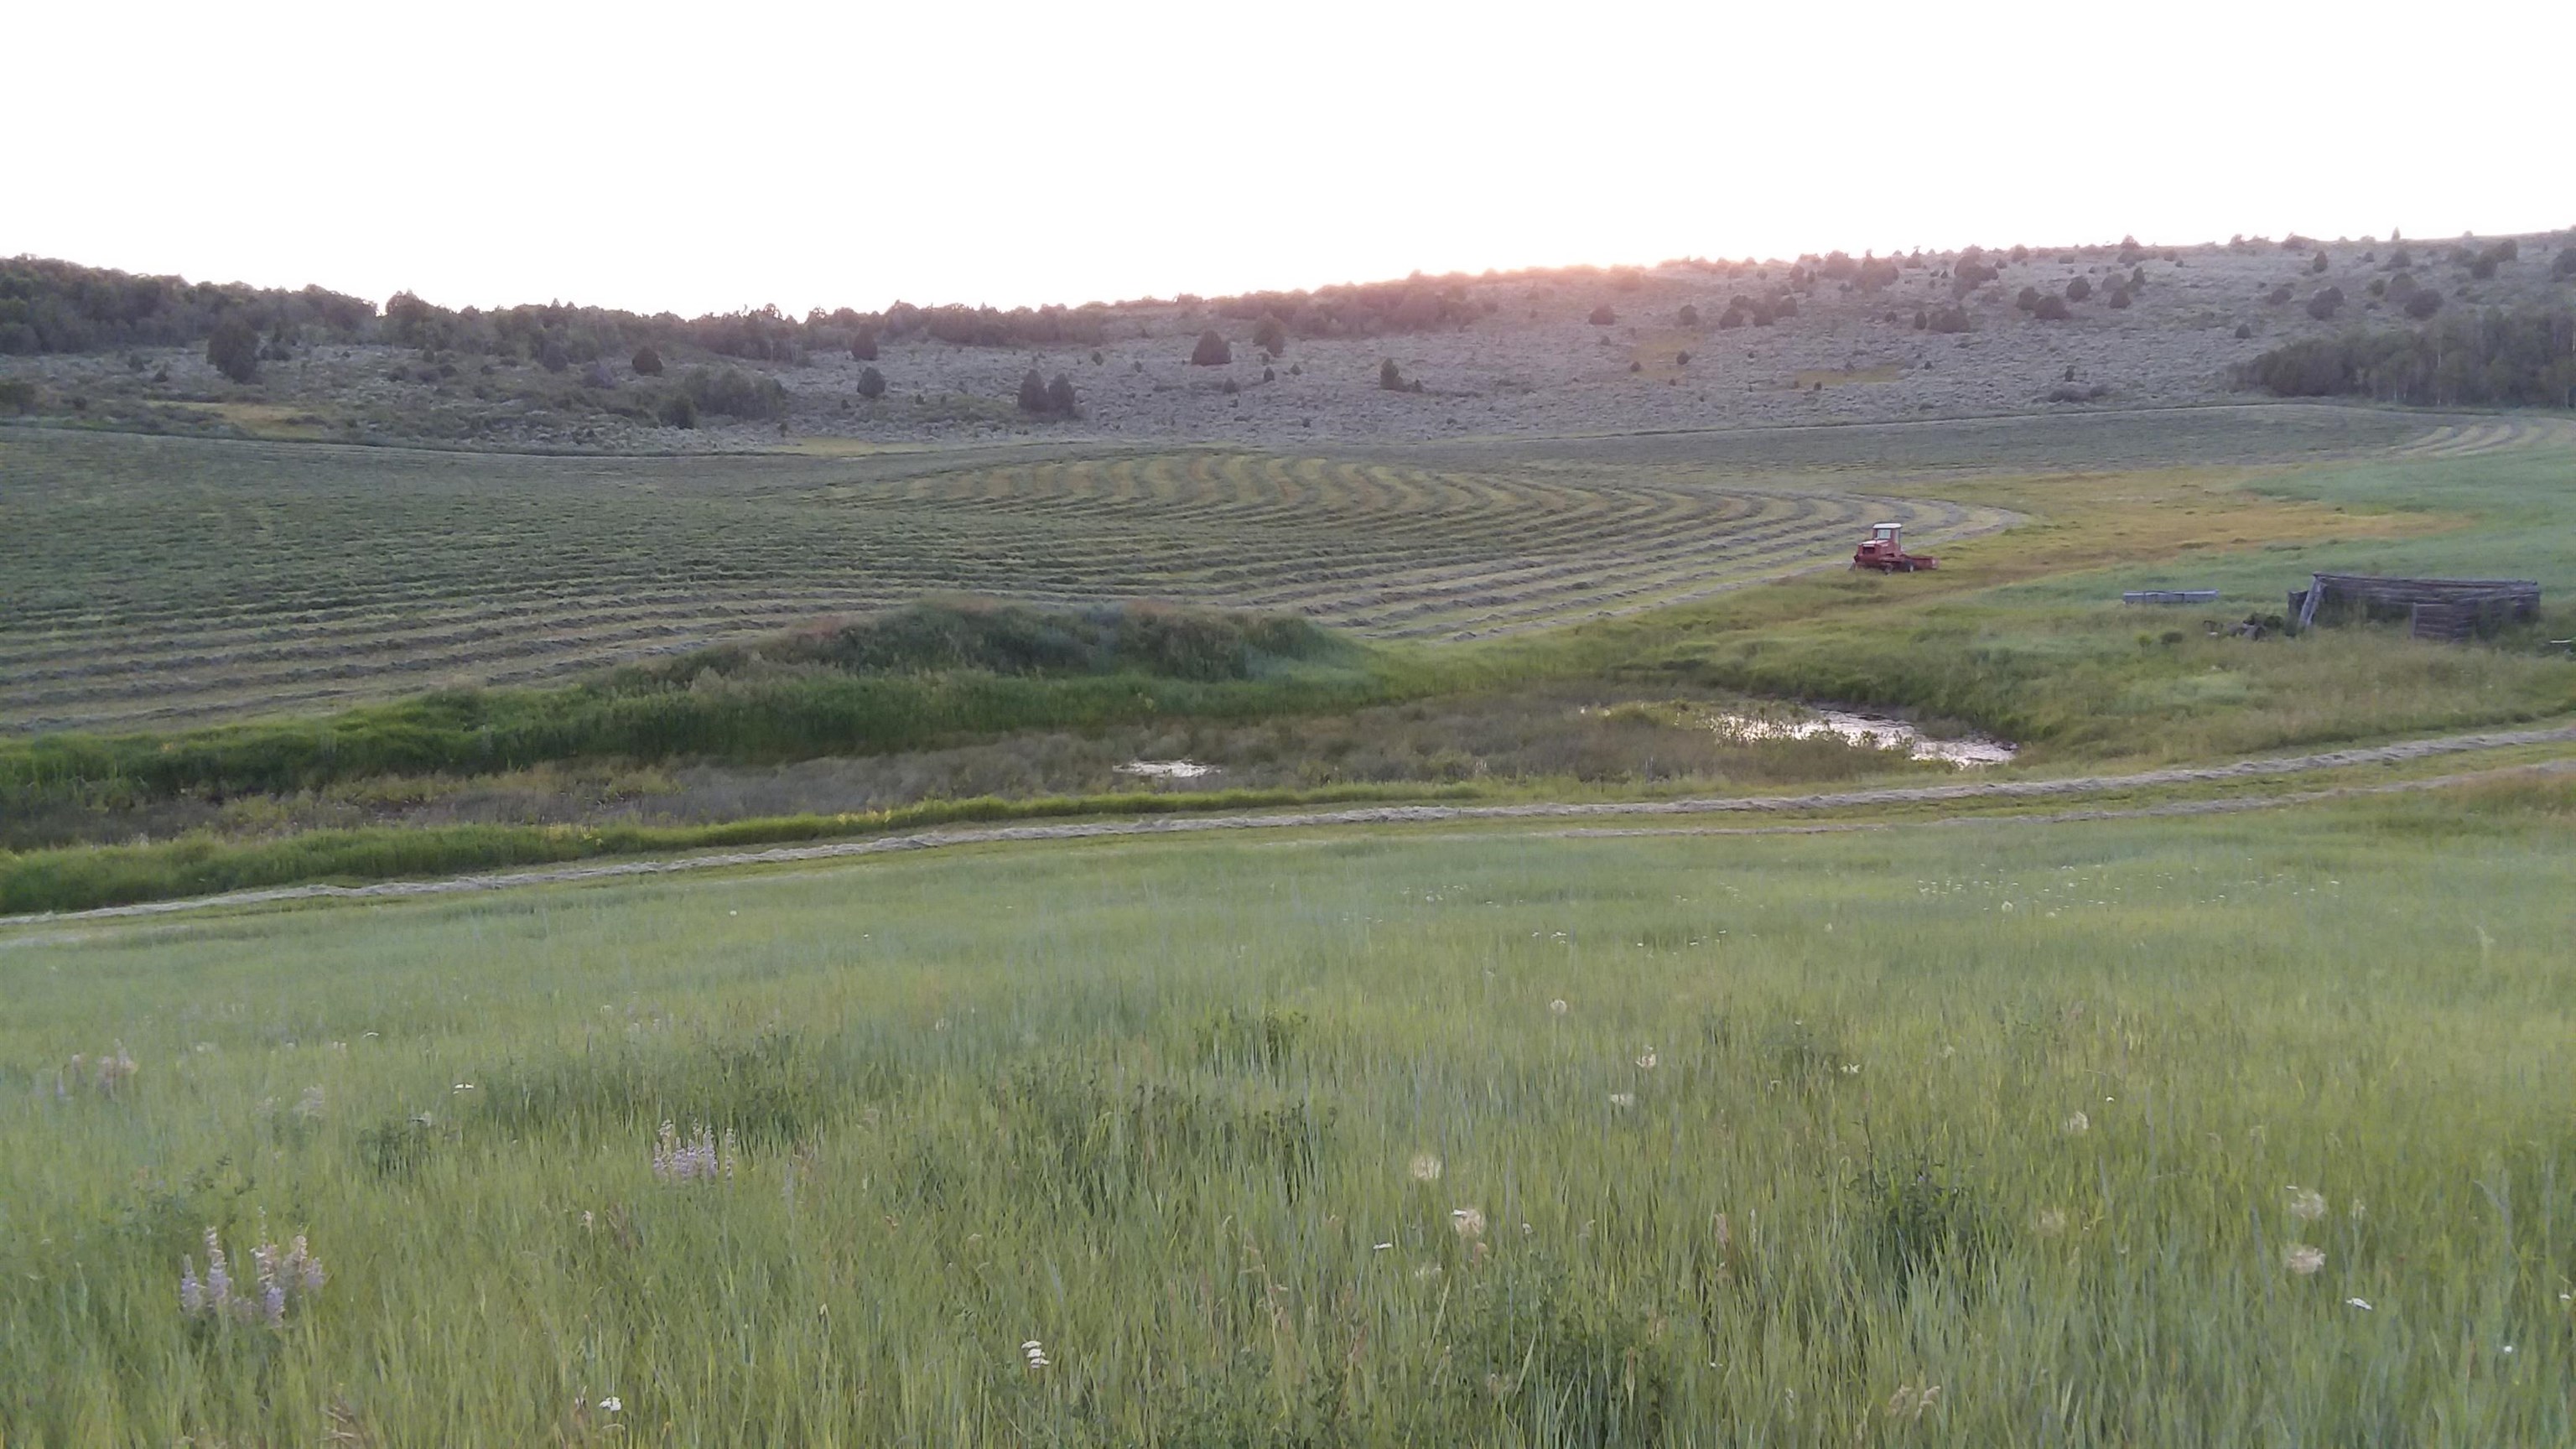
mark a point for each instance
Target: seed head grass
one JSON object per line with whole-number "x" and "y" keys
{"x": 1279, "y": 1142}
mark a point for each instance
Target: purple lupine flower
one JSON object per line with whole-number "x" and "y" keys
{"x": 285, "y": 1277}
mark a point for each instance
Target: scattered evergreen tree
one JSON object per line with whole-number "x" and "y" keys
{"x": 233, "y": 347}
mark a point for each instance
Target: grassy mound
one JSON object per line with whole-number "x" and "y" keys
{"x": 1021, "y": 640}
{"x": 898, "y": 681}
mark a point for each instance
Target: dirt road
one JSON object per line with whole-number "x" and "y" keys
{"x": 1966, "y": 790}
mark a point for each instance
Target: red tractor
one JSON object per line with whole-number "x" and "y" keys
{"x": 1884, "y": 550}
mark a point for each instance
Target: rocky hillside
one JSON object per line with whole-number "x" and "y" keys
{"x": 1682, "y": 345}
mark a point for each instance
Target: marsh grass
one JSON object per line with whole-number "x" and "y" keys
{"x": 2023, "y": 634}
{"x": 1155, "y": 1106}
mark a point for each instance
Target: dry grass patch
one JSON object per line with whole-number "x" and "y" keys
{"x": 2096, "y": 520}
{"x": 268, "y": 422}
{"x": 1655, "y": 355}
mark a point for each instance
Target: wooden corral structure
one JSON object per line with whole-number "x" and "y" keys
{"x": 2442, "y": 609}
{"x": 2170, "y": 596}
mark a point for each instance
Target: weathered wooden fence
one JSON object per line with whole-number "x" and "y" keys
{"x": 2446, "y": 609}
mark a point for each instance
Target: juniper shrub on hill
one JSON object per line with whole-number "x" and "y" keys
{"x": 2525, "y": 357}
{"x": 57, "y": 306}
{"x": 233, "y": 348}
{"x": 735, "y": 392}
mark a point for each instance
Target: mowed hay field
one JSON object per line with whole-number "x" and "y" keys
{"x": 150, "y": 580}
{"x": 2234, "y": 1131}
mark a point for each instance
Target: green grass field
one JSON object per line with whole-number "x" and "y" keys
{"x": 1879, "y": 1119}
{"x": 2020, "y": 634}
{"x": 1286, "y": 1142}
{"x": 152, "y": 580}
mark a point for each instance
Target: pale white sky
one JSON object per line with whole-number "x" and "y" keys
{"x": 728, "y": 153}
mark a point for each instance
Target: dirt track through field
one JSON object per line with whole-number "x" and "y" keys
{"x": 1971, "y": 790}
{"x": 2502, "y": 435}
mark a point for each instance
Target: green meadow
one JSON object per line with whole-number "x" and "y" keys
{"x": 2241, "y": 1130}
{"x": 1879, "y": 1120}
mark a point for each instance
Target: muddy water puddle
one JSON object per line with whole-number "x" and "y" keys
{"x": 1874, "y": 732}
{"x": 1801, "y": 722}
{"x": 1167, "y": 769}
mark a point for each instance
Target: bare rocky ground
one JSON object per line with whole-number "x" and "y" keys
{"x": 1529, "y": 363}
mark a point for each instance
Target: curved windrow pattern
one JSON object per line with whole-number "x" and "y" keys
{"x": 149, "y": 580}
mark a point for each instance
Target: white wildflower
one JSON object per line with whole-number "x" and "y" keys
{"x": 2052, "y": 1223}
{"x": 703, "y": 1158}
{"x": 613, "y": 1404}
{"x": 1470, "y": 1222}
{"x": 1035, "y": 1353}
{"x": 1425, "y": 1167}
{"x": 1558, "y": 1007}
{"x": 2361, "y": 1303}
{"x": 2303, "y": 1260}
{"x": 2077, "y": 1125}
{"x": 2305, "y": 1204}
{"x": 1646, "y": 1061}
{"x": 1623, "y": 1100}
